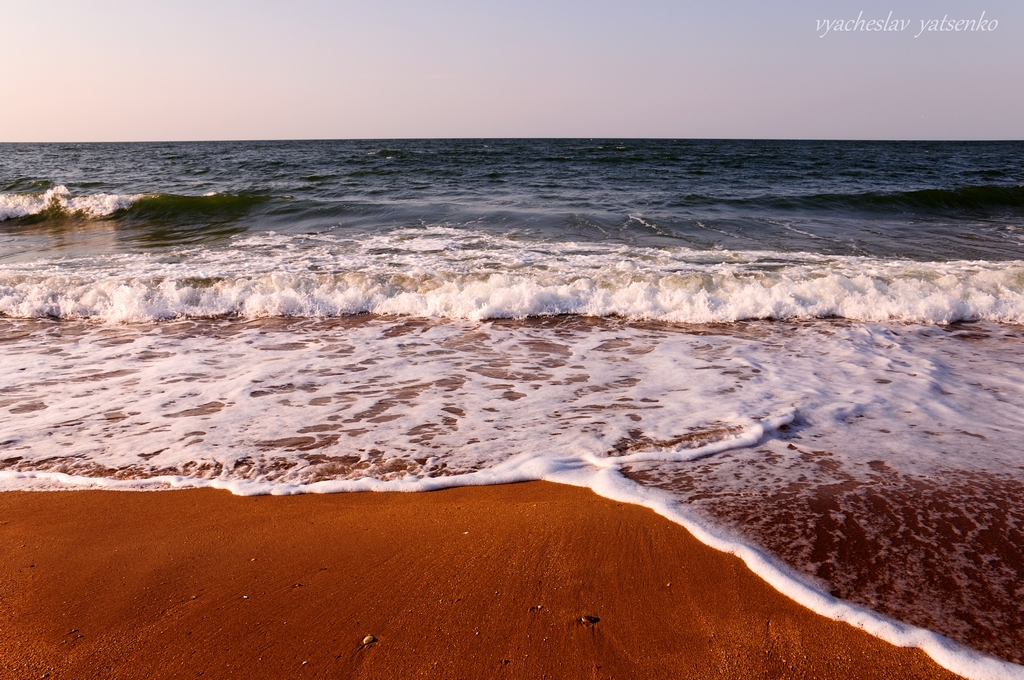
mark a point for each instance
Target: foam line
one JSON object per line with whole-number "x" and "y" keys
{"x": 750, "y": 436}
{"x": 948, "y": 654}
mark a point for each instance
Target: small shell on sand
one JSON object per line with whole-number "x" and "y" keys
{"x": 368, "y": 640}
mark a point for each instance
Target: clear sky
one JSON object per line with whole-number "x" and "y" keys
{"x": 106, "y": 70}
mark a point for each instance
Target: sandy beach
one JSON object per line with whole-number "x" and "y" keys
{"x": 530, "y": 580}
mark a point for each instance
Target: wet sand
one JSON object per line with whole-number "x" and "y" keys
{"x": 465, "y": 583}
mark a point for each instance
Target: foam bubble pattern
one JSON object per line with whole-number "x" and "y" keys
{"x": 630, "y": 410}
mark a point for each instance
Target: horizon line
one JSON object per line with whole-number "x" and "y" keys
{"x": 515, "y": 137}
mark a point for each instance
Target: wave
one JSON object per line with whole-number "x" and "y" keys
{"x": 210, "y": 208}
{"x": 248, "y": 284}
{"x": 58, "y": 202}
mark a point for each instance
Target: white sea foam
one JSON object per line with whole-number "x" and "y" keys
{"x": 400, "y": 401}
{"x": 304, "y": 406}
{"x": 95, "y": 205}
{"x": 454, "y": 274}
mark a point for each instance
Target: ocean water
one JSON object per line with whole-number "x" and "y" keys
{"x": 809, "y": 353}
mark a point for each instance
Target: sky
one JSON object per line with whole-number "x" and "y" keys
{"x": 110, "y": 70}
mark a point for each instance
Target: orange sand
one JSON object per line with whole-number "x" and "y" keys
{"x": 466, "y": 583}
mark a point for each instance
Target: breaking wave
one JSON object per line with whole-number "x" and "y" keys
{"x": 58, "y": 202}
{"x": 453, "y": 274}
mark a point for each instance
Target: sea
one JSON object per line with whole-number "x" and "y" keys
{"x": 809, "y": 353}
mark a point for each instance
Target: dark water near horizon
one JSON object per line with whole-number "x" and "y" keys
{"x": 814, "y": 348}
{"x": 916, "y": 200}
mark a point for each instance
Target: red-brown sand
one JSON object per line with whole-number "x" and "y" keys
{"x": 466, "y": 583}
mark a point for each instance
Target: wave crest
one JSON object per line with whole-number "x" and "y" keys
{"x": 58, "y": 201}
{"x": 931, "y": 293}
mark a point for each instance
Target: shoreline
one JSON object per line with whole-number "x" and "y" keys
{"x": 463, "y": 582}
